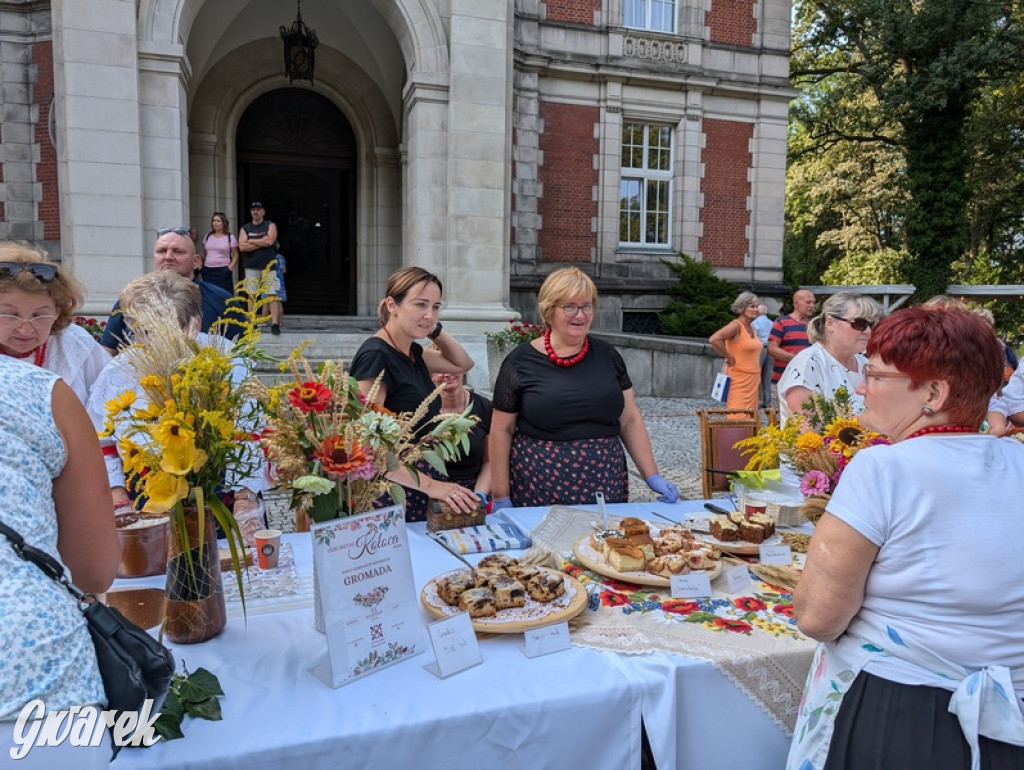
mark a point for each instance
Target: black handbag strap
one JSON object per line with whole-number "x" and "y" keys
{"x": 50, "y": 566}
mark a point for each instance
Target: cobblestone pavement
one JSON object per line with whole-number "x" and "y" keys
{"x": 675, "y": 437}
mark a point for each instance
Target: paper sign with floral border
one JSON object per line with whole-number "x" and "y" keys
{"x": 368, "y": 594}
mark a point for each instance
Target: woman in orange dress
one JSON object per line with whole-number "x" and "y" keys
{"x": 738, "y": 344}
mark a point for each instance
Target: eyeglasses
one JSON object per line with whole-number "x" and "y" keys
{"x": 38, "y": 322}
{"x": 870, "y": 373}
{"x": 571, "y": 310}
{"x": 161, "y": 232}
{"x": 857, "y": 324}
{"x": 44, "y": 271}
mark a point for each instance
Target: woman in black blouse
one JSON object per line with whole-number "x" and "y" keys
{"x": 563, "y": 409}
{"x": 408, "y": 313}
{"x": 473, "y": 469}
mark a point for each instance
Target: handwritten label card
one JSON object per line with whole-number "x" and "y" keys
{"x": 455, "y": 645}
{"x": 546, "y": 639}
{"x": 736, "y": 579}
{"x": 776, "y": 554}
{"x": 368, "y": 594}
{"x": 695, "y": 585}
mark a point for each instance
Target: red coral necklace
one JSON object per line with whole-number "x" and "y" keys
{"x": 395, "y": 345}
{"x": 943, "y": 429}
{"x": 40, "y": 354}
{"x": 565, "y": 361}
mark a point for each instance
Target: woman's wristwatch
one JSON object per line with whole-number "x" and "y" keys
{"x": 247, "y": 494}
{"x": 437, "y": 330}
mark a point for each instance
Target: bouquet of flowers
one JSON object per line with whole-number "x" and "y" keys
{"x": 817, "y": 444}
{"x": 188, "y": 434}
{"x": 335, "y": 449}
{"x": 516, "y": 332}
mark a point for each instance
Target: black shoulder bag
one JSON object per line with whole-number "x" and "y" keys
{"x": 133, "y": 664}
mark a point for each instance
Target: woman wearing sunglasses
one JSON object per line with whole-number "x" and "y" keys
{"x": 38, "y": 301}
{"x": 835, "y": 358}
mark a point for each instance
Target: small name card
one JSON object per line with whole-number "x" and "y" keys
{"x": 695, "y": 585}
{"x": 736, "y": 579}
{"x": 546, "y": 639}
{"x": 776, "y": 554}
{"x": 455, "y": 645}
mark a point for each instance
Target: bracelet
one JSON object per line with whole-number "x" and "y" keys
{"x": 437, "y": 330}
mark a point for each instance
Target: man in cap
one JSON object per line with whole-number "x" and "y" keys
{"x": 257, "y": 241}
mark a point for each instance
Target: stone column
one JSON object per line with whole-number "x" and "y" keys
{"x": 99, "y": 144}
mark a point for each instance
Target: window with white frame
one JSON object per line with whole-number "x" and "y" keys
{"x": 655, "y": 15}
{"x": 646, "y": 184}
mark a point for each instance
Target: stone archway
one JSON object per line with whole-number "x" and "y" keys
{"x": 297, "y": 154}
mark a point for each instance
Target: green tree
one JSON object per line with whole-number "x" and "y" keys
{"x": 926, "y": 64}
{"x": 701, "y": 300}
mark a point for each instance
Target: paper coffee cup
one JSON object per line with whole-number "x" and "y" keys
{"x": 268, "y": 547}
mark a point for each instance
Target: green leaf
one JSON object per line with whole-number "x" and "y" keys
{"x": 435, "y": 460}
{"x": 205, "y": 709}
{"x": 209, "y": 683}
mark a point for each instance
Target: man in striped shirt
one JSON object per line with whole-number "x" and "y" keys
{"x": 789, "y": 333}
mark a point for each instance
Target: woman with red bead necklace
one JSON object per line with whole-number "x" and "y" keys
{"x": 38, "y": 300}
{"x": 408, "y": 313}
{"x": 564, "y": 408}
{"x": 914, "y": 582}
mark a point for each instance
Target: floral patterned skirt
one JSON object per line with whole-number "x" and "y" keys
{"x": 567, "y": 472}
{"x": 415, "y": 501}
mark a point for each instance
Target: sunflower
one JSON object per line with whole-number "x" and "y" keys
{"x": 846, "y": 434}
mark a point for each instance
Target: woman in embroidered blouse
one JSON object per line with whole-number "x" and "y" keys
{"x": 53, "y": 492}
{"x": 914, "y": 582}
{"x": 836, "y": 356}
{"x": 563, "y": 409}
{"x": 38, "y": 301}
{"x": 408, "y": 313}
{"x": 220, "y": 254}
{"x": 738, "y": 344}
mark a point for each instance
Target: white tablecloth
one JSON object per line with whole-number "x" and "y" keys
{"x": 577, "y": 708}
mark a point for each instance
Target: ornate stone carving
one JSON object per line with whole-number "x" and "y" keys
{"x": 672, "y": 51}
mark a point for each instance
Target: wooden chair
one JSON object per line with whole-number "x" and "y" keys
{"x": 771, "y": 416}
{"x": 719, "y": 430}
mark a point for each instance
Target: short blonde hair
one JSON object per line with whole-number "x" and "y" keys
{"x": 66, "y": 292}
{"x": 166, "y": 293}
{"x": 844, "y": 304}
{"x": 742, "y": 302}
{"x": 560, "y": 286}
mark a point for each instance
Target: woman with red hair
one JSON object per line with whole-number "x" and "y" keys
{"x": 913, "y": 582}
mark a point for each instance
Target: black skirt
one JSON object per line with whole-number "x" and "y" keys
{"x": 567, "y": 472}
{"x": 884, "y": 725}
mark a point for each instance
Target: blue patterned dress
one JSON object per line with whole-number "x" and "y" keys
{"x": 47, "y": 650}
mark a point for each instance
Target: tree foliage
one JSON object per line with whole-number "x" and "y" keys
{"x": 905, "y": 105}
{"x": 701, "y": 300}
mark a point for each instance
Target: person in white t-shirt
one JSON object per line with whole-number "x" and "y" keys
{"x": 914, "y": 583}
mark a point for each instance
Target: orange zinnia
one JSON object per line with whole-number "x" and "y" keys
{"x": 310, "y": 397}
{"x": 339, "y": 460}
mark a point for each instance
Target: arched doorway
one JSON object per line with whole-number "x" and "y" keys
{"x": 297, "y": 154}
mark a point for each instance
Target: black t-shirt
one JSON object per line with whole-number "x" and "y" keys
{"x": 407, "y": 381}
{"x": 259, "y": 259}
{"x": 556, "y": 403}
{"x": 467, "y": 468}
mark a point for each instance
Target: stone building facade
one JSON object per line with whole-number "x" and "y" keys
{"x": 488, "y": 141}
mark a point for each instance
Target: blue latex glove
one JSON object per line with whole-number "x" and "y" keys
{"x": 483, "y": 498}
{"x": 499, "y": 503}
{"x": 667, "y": 492}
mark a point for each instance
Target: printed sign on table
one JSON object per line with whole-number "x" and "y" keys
{"x": 368, "y": 594}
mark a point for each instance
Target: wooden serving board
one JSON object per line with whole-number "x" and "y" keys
{"x": 590, "y": 558}
{"x": 516, "y": 620}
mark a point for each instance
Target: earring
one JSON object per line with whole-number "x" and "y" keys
{"x": 927, "y": 411}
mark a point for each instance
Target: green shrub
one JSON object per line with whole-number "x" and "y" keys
{"x": 701, "y": 300}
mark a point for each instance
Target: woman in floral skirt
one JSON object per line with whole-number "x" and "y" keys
{"x": 564, "y": 408}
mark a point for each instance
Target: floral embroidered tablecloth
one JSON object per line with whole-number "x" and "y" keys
{"x": 752, "y": 639}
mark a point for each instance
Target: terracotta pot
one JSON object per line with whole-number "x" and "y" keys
{"x": 195, "y": 595}
{"x": 143, "y": 548}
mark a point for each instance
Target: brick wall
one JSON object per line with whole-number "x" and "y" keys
{"x": 731, "y": 22}
{"x": 572, "y": 11}
{"x": 46, "y": 169}
{"x": 725, "y": 188}
{"x": 568, "y": 176}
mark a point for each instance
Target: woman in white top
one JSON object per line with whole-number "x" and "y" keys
{"x": 914, "y": 583}
{"x": 220, "y": 254}
{"x": 38, "y": 301}
{"x": 836, "y": 356}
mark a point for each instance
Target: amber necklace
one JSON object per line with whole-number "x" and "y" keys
{"x": 395, "y": 345}
{"x": 564, "y": 361}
